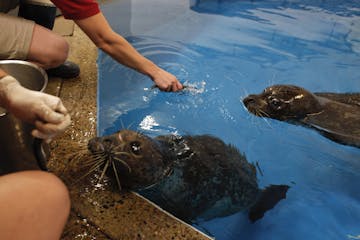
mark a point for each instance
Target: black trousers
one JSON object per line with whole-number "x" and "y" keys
{"x": 43, "y": 15}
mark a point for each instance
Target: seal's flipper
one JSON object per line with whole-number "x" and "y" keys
{"x": 269, "y": 197}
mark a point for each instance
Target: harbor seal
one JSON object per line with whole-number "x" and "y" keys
{"x": 334, "y": 115}
{"x": 191, "y": 177}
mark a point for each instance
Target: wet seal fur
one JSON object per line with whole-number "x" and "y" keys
{"x": 192, "y": 177}
{"x": 334, "y": 115}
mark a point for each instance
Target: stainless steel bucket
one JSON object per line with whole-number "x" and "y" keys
{"x": 19, "y": 150}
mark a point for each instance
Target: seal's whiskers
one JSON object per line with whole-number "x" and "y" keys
{"x": 258, "y": 113}
{"x": 116, "y": 175}
{"x": 122, "y": 153}
{"x": 75, "y": 155}
{"x": 92, "y": 169}
{"x": 242, "y": 97}
{"x": 95, "y": 165}
{"x": 95, "y": 159}
{"x": 252, "y": 119}
{"x": 123, "y": 162}
{"x": 103, "y": 171}
{"x": 272, "y": 80}
{"x": 267, "y": 122}
{"x": 130, "y": 155}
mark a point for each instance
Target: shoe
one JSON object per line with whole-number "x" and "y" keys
{"x": 66, "y": 70}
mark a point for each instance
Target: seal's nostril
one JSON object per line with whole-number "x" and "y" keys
{"x": 107, "y": 142}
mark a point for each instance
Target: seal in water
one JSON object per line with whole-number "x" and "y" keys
{"x": 192, "y": 177}
{"x": 335, "y": 115}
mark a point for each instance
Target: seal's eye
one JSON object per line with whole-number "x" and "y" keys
{"x": 135, "y": 147}
{"x": 275, "y": 103}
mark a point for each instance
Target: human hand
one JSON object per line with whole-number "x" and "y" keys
{"x": 165, "y": 81}
{"x": 45, "y": 111}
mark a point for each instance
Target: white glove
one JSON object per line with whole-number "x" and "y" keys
{"x": 45, "y": 111}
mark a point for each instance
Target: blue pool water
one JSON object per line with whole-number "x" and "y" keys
{"x": 226, "y": 50}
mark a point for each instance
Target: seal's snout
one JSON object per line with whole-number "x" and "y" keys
{"x": 249, "y": 100}
{"x": 101, "y": 144}
{"x": 94, "y": 145}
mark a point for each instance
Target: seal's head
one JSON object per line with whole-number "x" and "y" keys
{"x": 134, "y": 160}
{"x": 283, "y": 102}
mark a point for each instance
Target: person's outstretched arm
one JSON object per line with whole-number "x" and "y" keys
{"x": 100, "y": 32}
{"x": 45, "y": 111}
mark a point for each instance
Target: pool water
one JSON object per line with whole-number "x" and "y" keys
{"x": 225, "y": 50}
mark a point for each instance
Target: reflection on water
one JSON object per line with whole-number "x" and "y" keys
{"x": 223, "y": 51}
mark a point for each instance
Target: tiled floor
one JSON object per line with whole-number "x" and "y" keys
{"x": 99, "y": 213}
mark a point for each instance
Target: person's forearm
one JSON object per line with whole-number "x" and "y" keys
{"x": 120, "y": 50}
{"x": 99, "y": 31}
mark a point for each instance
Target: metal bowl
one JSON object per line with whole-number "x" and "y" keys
{"x": 28, "y": 74}
{"x": 19, "y": 150}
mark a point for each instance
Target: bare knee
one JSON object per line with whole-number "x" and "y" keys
{"x": 53, "y": 189}
{"x": 47, "y": 48}
{"x": 37, "y": 205}
{"x": 58, "y": 54}
{"x": 44, "y": 189}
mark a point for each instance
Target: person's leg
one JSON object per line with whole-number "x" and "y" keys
{"x": 50, "y": 51}
{"x": 47, "y": 49}
{"x": 24, "y": 40}
{"x": 43, "y": 12}
{"x": 33, "y": 205}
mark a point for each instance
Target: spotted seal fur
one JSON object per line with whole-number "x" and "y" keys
{"x": 192, "y": 177}
{"x": 334, "y": 115}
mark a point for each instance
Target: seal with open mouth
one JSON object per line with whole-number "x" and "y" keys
{"x": 192, "y": 177}
{"x": 335, "y": 115}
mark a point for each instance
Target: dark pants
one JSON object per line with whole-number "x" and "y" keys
{"x": 40, "y": 14}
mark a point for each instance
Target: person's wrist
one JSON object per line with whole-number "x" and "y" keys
{"x": 150, "y": 69}
{"x": 7, "y": 85}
